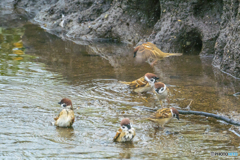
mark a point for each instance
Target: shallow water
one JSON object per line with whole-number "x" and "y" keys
{"x": 36, "y": 75}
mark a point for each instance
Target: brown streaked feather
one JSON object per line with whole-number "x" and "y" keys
{"x": 161, "y": 114}
{"x": 141, "y": 82}
{"x": 125, "y": 82}
{"x": 58, "y": 115}
{"x": 136, "y": 49}
{"x": 73, "y": 120}
{"x": 117, "y": 134}
{"x": 65, "y": 113}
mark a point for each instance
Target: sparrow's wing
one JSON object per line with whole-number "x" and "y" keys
{"x": 58, "y": 116}
{"x": 141, "y": 82}
{"x": 117, "y": 135}
{"x": 151, "y": 50}
{"x": 72, "y": 119}
{"x": 134, "y": 133}
{"x": 125, "y": 82}
{"x": 144, "y": 53}
{"x": 161, "y": 114}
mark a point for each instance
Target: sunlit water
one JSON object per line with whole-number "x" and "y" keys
{"x": 45, "y": 69}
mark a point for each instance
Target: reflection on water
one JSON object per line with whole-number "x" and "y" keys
{"x": 65, "y": 133}
{"x": 38, "y": 69}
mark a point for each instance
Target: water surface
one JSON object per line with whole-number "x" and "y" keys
{"x": 39, "y": 69}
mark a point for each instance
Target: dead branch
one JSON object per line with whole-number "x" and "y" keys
{"x": 230, "y": 121}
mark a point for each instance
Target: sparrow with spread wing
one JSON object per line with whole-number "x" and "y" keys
{"x": 149, "y": 51}
{"x": 143, "y": 84}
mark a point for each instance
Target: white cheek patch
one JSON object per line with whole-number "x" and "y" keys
{"x": 147, "y": 79}
{"x": 124, "y": 128}
{"x": 68, "y": 107}
{"x": 159, "y": 91}
{"x": 171, "y": 111}
{"x": 62, "y": 105}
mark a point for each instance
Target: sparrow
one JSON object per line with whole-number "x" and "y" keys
{"x": 125, "y": 133}
{"x": 148, "y": 51}
{"x": 143, "y": 84}
{"x": 163, "y": 116}
{"x": 161, "y": 91}
{"x": 66, "y": 116}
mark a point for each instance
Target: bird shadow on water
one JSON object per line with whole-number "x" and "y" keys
{"x": 158, "y": 131}
{"x": 65, "y": 133}
{"x": 126, "y": 150}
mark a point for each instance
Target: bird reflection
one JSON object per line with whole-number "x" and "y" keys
{"x": 126, "y": 151}
{"x": 67, "y": 133}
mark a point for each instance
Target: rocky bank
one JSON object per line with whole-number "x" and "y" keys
{"x": 204, "y": 27}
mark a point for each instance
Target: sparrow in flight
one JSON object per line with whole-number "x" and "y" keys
{"x": 149, "y": 51}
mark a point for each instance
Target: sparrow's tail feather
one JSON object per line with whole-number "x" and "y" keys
{"x": 125, "y": 82}
{"x": 174, "y": 54}
{"x": 150, "y": 119}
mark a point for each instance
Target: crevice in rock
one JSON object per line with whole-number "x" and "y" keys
{"x": 191, "y": 43}
{"x": 235, "y": 8}
{"x": 208, "y": 10}
{"x": 145, "y": 11}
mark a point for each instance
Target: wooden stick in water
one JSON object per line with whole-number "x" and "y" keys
{"x": 230, "y": 121}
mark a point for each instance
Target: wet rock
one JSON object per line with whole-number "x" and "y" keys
{"x": 126, "y": 21}
{"x": 192, "y": 27}
{"x": 227, "y": 56}
{"x": 186, "y": 27}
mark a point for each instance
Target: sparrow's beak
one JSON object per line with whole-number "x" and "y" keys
{"x": 128, "y": 126}
{"x": 134, "y": 54}
{"x": 156, "y": 78}
{"x": 59, "y": 102}
{"x": 177, "y": 117}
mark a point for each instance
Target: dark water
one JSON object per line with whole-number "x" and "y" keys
{"x": 36, "y": 75}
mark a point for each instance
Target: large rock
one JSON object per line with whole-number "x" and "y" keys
{"x": 126, "y": 21}
{"x": 192, "y": 27}
{"x": 227, "y": 55}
